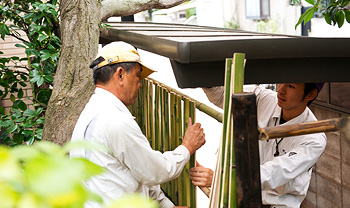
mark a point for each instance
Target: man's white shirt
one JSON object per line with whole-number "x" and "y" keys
{"x": 131, "y": 164}
{"x": 284, "y": 179}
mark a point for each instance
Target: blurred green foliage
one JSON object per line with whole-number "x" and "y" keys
{"x": 232, "y": 24}
{"x": 43, "y": 176}
{"x": 267, "y": 26}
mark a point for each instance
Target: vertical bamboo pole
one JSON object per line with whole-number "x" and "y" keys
{"x": 166, "y": 120}
{"x": 223, "y": 197}
{"x": 178, "y": 141}
{"x": 150, "y": 115}
{"x": 145, "y": 102}
{"x": 216, "y": 196}
{"x": 161, "y": 119}
{"x": 172, "y": 139}
{"x": 165, "y": 129}
{"x": 157, "y": 132}
{"x": 168, "y": 133}
{"x": 238, "y": 77}
{"x": 186, "y": 177}
{"x": 139, "y": 116}
{"x": 172, "y": 144}
{"x": 192, "y": 163}
{"x": 227, "y": 196}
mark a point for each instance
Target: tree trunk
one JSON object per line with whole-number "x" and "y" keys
{"x": 73, "y": 84}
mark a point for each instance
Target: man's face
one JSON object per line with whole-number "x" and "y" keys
{"x": 132, "y": 85}
{"x": 291, "y": 96}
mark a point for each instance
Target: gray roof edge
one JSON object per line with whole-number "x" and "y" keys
{"x": 164, "y": 47}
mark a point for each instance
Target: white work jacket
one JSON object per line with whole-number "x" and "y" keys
{"x": 285, "y": 178}
{"x": 131, "y": 164}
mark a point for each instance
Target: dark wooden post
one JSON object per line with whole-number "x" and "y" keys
{"x": 246, "y": 150}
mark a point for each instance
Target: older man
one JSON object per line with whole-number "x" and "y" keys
{"x": 286, "y": 163}
{"x": 131, "y": 165}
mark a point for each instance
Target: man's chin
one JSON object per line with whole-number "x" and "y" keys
{"x": 280, "y": 104}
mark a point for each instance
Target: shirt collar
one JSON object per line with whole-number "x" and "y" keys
{"x": 299, "y": 119}
{"x": 277, "y": 113}
{"x": 109, "y": 97}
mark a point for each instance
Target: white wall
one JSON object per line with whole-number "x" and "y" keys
{"x": 210, "y": 13}
{"x": 319, "y": 28}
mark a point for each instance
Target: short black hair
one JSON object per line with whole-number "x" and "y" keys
{"x": 103, "y": 75}
{"x": 308, "y": 88}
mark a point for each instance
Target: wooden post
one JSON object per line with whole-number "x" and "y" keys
{"x": 246, "y": 149}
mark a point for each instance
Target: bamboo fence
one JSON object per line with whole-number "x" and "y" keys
{"x": 224, "y": 192}
{"x": 162, "y": 114}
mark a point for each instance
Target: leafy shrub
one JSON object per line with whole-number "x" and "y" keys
{"x": 39, "y": 21}
{"x": 43, "y": 176}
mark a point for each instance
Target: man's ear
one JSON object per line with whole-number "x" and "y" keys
{"x": 311, "y": 95}
{"x": 119, "y": 73}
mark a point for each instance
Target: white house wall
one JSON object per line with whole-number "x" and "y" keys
{"x": 210, "y": 13}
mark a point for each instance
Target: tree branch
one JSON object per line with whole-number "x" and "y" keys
{"x": 20, "y": 67}
{"x": 18, "y": 38}
{"x": 112, "y": 8}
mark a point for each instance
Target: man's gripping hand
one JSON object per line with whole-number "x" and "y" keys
{"x": 194, "y": 137}
{"x": 201, "y": 176}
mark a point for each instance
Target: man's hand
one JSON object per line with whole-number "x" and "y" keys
{"x": 194, "y": 137}
{"x": 201, "y": 176}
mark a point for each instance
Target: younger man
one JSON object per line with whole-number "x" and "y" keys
{"x": 285, "y": 163}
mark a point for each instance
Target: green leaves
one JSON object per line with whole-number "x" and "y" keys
{"x": 340, "y": 18}
{"x": 310, "y": 2}
{"x": 334, "y": 13}
{"x": 36, "y": 76}
{"x": 29, "y": 112}
{"x": 306, "y": 16}
{"x": 344, "y": 3}
{"x": 4, "y": 30}
{"x": 45, "y": 54}
{"x": 25, "y": 125}
{"x": 43, "y": 176}
{"x": 39, "y": 21}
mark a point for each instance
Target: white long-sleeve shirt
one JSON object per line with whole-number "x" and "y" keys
{"x": 285, "y": 179}
{"x": 131, "y": 164}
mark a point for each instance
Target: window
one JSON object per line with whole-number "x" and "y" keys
{"x": 257, "y": 9}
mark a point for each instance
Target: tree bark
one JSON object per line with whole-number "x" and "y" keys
{"x": 128, "y": 7}
{"x": 73, "y": 83}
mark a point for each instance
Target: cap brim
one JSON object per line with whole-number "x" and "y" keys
{"x": 146, "y": 71}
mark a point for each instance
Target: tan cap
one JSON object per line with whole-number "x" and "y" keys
{"x": 118, "y": 52}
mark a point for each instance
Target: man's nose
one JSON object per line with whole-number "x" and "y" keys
{"x": 281, "y": 88}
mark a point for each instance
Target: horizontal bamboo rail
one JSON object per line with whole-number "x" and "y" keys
{"x": 335, "y": 124}
{"x": 200, "y": 106}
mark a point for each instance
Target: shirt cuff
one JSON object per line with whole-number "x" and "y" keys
{"x": 182, "y": 150}
{"x": 166, "y": 203}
